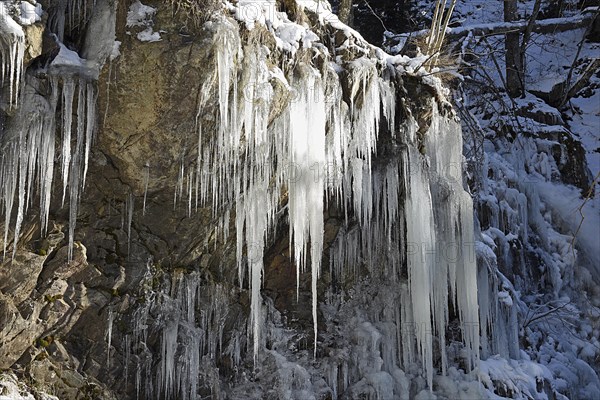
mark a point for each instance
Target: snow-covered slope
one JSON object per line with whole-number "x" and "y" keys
{"x": 532, "y": 168}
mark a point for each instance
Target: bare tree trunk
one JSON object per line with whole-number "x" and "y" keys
{"x": 346, "y": 12}
{"x": 514, "y": 65}
{"x": 527, "y": 36}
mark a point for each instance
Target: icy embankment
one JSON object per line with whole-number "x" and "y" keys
{"x": 539, "y": 238}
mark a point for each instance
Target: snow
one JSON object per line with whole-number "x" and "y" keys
{"x": 251, "y": 12}
{"x": 519, "y": 377}
{"x": 148, "y": 35}
{"x": 67, "y": 57}
{"x": 30, "y": 13}
{"x": 140, "y": 14}
{"x": 527, "y": 211}
{"x": 548, "y": 57}
{"x": 584, "y": 225}
{"x": 116, "y": 51}
{"x": 584, "y": 121}
{"x": 289, "y": 36}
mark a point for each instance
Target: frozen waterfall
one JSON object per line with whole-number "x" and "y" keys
{"x": 292, "y": 137}
{"x": 319, "y": 151}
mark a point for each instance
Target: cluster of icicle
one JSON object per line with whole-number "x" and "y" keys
{"x": 29, "y": 151}
{"x": 320, "y": 150}
{"x": 418, "y": 215}
{"x": 12, "y": 49}
{"x": 190, "y": 320}
{"x": 27, "y": 143}
{"x": 67, "y": 15}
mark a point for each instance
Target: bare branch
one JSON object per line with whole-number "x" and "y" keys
{"x": 579, "y": 47}
{"x": 550, "y": 25}
{"x": 580, "y": 210}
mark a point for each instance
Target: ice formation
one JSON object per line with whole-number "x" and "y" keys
{"x": 67, "y": 16}
{"x": 12, "y": 49}
{"x": 129, "y": 206}
{"x": 109, "y": 333}
{"x": 190, "y": 324}
{"x": 319, "y": 150}
{"x": 28, "y": 145}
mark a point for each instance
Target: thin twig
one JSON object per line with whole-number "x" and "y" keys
{"x": 579, "y": 47}
{"x": 545, "y": 314}
{"x": 580, "y": 210}
{"x": 376, "y": 16}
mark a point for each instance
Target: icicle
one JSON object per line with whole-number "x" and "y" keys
{"x": 146, "y": 182}
{"x": 75, "y": 166}
{"x": 123, "y": 213}
{"x": 12, "y": 50}
{"x": 56, "y": 19}
{"x": 168, "y": 352}
{"x": 67, "y": 113}
{"x": 190, "y": 186}
{"x": 109, "y": 336}
{"x": 46, "y": 165}
{"x": 89, "y": 126}
{"x": 180, "y": 183}
{"x": 22, "y": 170}
{"x": 306, "y": 191}
{"x": 454, "y": 226}
{"x": 10, "y": 175}
{"x": 127, "y": 353}
{"x": 421, "y": 257}
{"x": 129, "y": 204}
{"x": 258, "y": 154}
{"x": 27, "y": 159}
